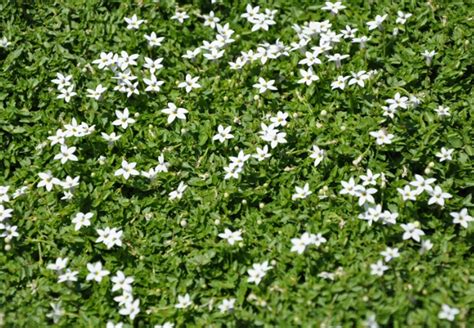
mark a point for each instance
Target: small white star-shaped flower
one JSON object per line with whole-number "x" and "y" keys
{"x": 231, "y": 237}
{"x": 174, "y": 112}
{"x": 264, "y": 85}
{"x": 123, "y": 118}
{"x": 133, "y": 22}
{"x": 96, "y": 272}
{"x": 223, "y": 133}
{"x": 378, "y": 268}
{"x": 127, "y": 170}
{"x": 301, "y": 192}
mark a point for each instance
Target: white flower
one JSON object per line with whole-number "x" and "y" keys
{"x": 398, "y": 101}
{"x": 111, "y": 138}
{"x": 66, "y": 154}
{"x": 211, "y": 20}
{"x": 362, "y": 41}
{"x": 75, "y": 130}
{"x": 257, "y": 272}
{"x": 58, "y": 138}
{"x": 370, "y": 322}
{"x": 334, "y": 8}
{"x": 4, "y": 194}
{"x": 264, "y": 85}
{"x": 214, "y": 54}
{"x": 240, "y": 159}
{"x": 153, "y": 65}
{"x": 317, "y": 154}
{"x": 279, "y": 119}
{"x": 402, "y": 17}
{"x": 378, "y": 268}
{"x": 4, "y": 43}
{"x": 348, "y": 187}
{"x": 377, "y": 23}
{"x": 442, "y": 111}
{"x": 407, "y": 193}
{"x": 178, "y": 193}
{"x": 372, "y": 214}
{"x": 390, "y": 253}
{"x": 349, "y": 32}
{"x": 131, "y": 309}
{"x": 153, "y": 84}
{"x": 174, "y": 112}
{"x": 438, "y": 196}
{"x": 306, "y": 239}
{"x": 122, "y": 282}
{"x": 191, "y": 54}
{"x": 299, "y": 245}
{"x": 262, "y": 21}
{"x": 445, "y": 154}
{"x": 127, "y": 170}
{"x": 153, "y": 40}
{"x": 370, "y": 178}
{"x": 448, "y": 312}
{"x": 462, "y": 218}
{"x": 190, "y": 83}
{"x": 57, "y": 312}
{"x": 97, "y": 92}
{"x": 59, "y": 265}
{"x": 340, "y": 83}
{"x": 223, "y": 133}
{"x": 262, "y": 153}
{"x": 123, "y": 299}
{"x": 227, "y": 305}
{"x": 67, "y": 94}
{"x": 425, "y": 246}
{"x": 20, "y": 191}
{"x": 272, "y": 135}
{"x": 180, "y": 16}
{"x": 421, "y": 184}
{"x": 82, "y": 220}
{"x": 231, "y": 237}
{"x": 251, "y": 13}
{"x": 123, "y": 118}
{"x": 47, "y": 180}
{"x": 110, "y": 237}
{"x": 183, "y": 301}
{"x": 359, "y": 78}
{"x": 150, "y": 174}
{"x": 165, "y": 325}
{"x": 308, "y": 76}
{"x": 62, "y": 80}
{"x": 110, "y": 324}
{"x": 301, "y": 193}
{"x": 382, "y": 137}
{"x": 311, "y": 58}
{"x": 337, "y": 58}
{"x": 70, "y": 183}
{"x": 365, "y": 194}
{"x": 412, "y": 231}
{"x": 68, "y": 276}
{"x": 105, "y": 60}
{"x": 428, "y": 55}
{"x": 95, "y": 272}
{"x": 232, "y": 171}
{"x": 162, "y": 165}
{"x": 133, "y": 22}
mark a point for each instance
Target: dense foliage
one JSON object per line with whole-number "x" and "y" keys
{"x": 206, "y": 164}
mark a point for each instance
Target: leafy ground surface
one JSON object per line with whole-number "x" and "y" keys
{"x": 172, "y": 239}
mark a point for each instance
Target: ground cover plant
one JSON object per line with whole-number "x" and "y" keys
{"x": 236, "y": 164}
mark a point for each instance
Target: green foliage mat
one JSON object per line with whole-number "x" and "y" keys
{"x": 265, "y": 270}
